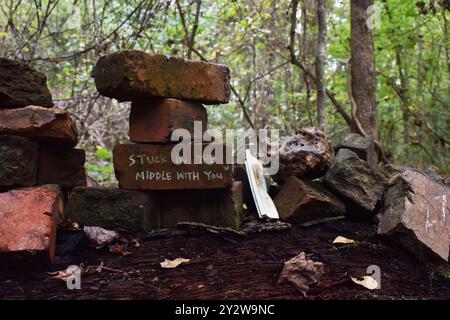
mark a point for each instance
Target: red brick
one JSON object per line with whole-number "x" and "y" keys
{"x": 29, "y": 219}
{"x": 153, "y": 120}
{"x": 133, "y": 75}
{"x": 149, "y": 167}
{"x": 63, "y": 166}
{"x": 307, "y": 202}
{"x": 50, "y": 125}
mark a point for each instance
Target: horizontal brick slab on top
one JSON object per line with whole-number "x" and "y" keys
{"x": 133, "y": 75}
{"x": 150, "y": 167}
{"x": 154, "y": 120}
{"x": 43, "y": 124}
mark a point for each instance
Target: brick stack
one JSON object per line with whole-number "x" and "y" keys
{"x": 166, "y": 93}
{"x": 37, "y": 163}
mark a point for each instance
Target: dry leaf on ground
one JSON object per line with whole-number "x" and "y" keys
{"x": 169, "y": 264}
{"x": 65, "y": 274}
{"x": 340, "y": 239}
{"x": 301, "y": 272}
{"x": 366, "y": 281}
{"x": 119, "y": 248}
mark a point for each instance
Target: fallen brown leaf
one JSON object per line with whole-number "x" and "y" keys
{"x": 301, "y": 272}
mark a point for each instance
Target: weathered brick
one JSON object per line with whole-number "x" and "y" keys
{"x": 18, "y": 162}
{"x": 63, "y": 166}
{"x": 29, "y": 219}
{"x": 221, "y": 207}
{"x": 50, "y": 125}
{"x": 149, "y": 167}
{"x": 307, "y": 202}
{"x": 133, "y": 75}
{"x": 153, "y": 120}
{"x": 110, "y": 208}
{"x": 22, "y": 86}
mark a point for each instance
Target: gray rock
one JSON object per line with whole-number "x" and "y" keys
{"x": 355, "y": 180}
{"x": 362, "y": 146}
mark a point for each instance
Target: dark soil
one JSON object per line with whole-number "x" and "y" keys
{"x": 236, "y": 267}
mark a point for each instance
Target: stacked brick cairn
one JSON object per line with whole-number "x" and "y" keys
{"x": 38, "y": 163}
{"x": 166, "y": 94}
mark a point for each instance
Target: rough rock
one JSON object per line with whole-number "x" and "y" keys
{"x": 154, "y": 120}
{"x": 362, "y": 146}
{"x": 110, "y": 208}
{"x": 220, "y": 207}
{"x": 18, "y": 162}
{"x": 134, "y": 75}
{"x": 50, "y": 125}
{"x": 416, "y": 214}
{"x": 307, "y": 202}
{"x": 391, "y": 169}
{"x": 22, "y": 86}
{"x": 306, "y": 154}
{"x": 63, "y": 166}
{"x": 29, "y": 222}
{"x": 301, "y": 272}
{"x": 355, "y": 180}
{"x": 150, "y": 167}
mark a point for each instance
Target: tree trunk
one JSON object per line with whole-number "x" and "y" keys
{"x": 303, "y": 54}
{"x": 320, "y": 61}
{"x": 363, "y": 75}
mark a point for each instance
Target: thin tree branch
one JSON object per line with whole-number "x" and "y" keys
{"x": 295, "y": 61}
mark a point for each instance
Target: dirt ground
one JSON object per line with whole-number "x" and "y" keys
{"x": 236, "y": 267}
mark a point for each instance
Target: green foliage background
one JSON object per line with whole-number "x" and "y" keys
{"x": 64, "y": 38}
